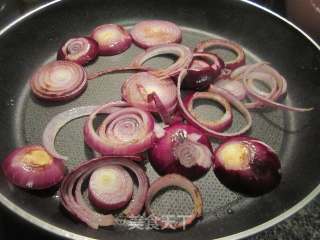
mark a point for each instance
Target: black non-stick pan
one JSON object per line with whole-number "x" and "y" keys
{"x": 33, "y": 40}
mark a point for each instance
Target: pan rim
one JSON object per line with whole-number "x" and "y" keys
{"x": 246, "y": 233}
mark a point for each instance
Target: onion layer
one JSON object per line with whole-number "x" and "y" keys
{"x": 57, "y": 122}
{"x": 73, "y": 201}
{"x": 234, "y": 87}
{"x": 150, "y": 33}
{"x": 59, "y": 81}
{"x": 32, "y": 167}
{"x": 229, "y": 97}
{"x": 179, "y": 181}
{"x": 124, "y": 132}
{"x": 184, "y": 150}
{"x": 110, "y": 187}
{"x": 218, "y": 125}
{"x": 112, "y": 39}
{"x": 227, "y": 44}
{"x": 115, "y": 70}
{"x": 268, "y": 75}
{"x": 183, "y": 53}
{"x": 79, "y": 50}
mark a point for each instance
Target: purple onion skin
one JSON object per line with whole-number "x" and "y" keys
{"x": 32, "y": 178}
{"x": 262, "y": 174}
{"x": 91, "y": 55}
{"x": 199, "y": 78}
{"x": 164, "y": 162}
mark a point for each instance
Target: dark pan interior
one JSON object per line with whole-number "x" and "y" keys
{"x": 295, "y": 136}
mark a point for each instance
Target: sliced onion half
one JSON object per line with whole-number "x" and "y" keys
{"x": 150, "y": 33}
{"x": 182, "y": 149}
{"x": 32, "y": 167}
{"x": 59, "y": 81}
{"x": 112, "y": 39}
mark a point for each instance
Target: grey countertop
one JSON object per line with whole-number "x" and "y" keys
{"x": 305, "y": 224}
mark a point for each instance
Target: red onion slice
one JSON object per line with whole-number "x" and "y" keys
{"x": 150, "y": 33}
{"x": 183, "y": 53}
{"x": 267, "y": 80}
{"x": 126, "y": 132}
{"x": 80, "y": 50}
{"x": 178, "y": 181}
{"x": 266, "y": 74}
{"x": 218, "y": 125}
{"x": 72, "y": 199}
{"x": 227, "y": 44}
{"x": 235, "y": 87}
{"x": 247, "y": 165}
{"x": 32, "y": 167}
{"x": 263, "y": 67}
{"x": 59, "y": 81}
{"x": 110, "y": 187}
{"x": 139, "y": 86}
{"x": 229, "y": 97}
{"x": 112, "y": 39}
{"x": 57, "y": 122}
{"x": 272, "y": 103}
{"x": 182, "y": 149}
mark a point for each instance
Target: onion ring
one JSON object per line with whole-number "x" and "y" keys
{"x": 124, "y": 132}
{"x": 233, "y": 46}
{"x": 179, "y": 181}
{"x": 233, "y": 86}
{"x": 229, "y": 97}
{"x": 57, "y": 122}
{"x": 184, "y": 58}
{"x": 218, "y": 125}
{"x": 72, "y": 199}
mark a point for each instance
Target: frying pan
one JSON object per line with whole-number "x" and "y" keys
{"x": 32, "y": 40}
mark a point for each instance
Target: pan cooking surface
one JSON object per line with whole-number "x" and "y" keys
{"x": 292, "y": 135}
{"x": 107, "y": 88}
